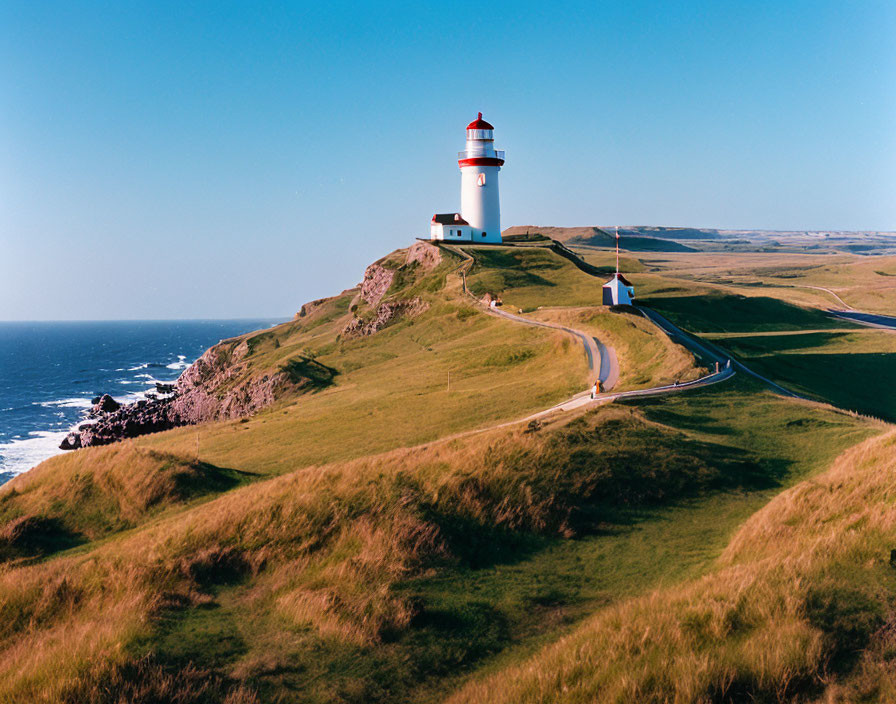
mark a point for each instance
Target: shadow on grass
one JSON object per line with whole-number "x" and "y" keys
{"x": 309, "y": 373}
{"x": 493, "y": 600}
{"x": 659, "y": 410}
{"x": 447, "y": 638}
{"x": 591, "y": 480}
{"x": 857, "y": 381}
{"x": 779, "y": 343}
{"x": 207, "y": 478}
{"x": 207, "y": 637}
{"x": 633, "y": 244}
{"x": 36, "y": 537}
{"x": 715, "y": 312}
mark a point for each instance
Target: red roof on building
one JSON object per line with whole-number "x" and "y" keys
{"x": 479, "y": 124}
{"x": 449, "y": 219}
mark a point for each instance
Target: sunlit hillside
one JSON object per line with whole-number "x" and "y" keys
{"x": 403, "y": 524}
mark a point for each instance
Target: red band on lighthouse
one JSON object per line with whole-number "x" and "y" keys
{"x": 480, "y": 161}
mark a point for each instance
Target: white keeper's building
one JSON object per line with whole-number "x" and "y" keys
{"x": 479, "y": 219}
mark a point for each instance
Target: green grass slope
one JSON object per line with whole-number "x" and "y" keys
{"x": 762, "y": 314}
{"x": 356, "y": 543}
{"x": 387, "y": 577}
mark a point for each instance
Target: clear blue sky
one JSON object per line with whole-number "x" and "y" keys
{"x": 176, "y": 160}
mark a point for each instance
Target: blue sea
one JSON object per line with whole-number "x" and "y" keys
{"x": 50, "y": 371}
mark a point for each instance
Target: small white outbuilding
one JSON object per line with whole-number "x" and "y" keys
{"x": 450, "y": 227}
{"x": 618, "y": 291}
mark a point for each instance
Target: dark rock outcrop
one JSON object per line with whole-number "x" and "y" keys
{"x": 217, "y": 386}
{"x": 126, "y": 421}
{"x": 72, "y": 441}
{"x": 105, "y": 404}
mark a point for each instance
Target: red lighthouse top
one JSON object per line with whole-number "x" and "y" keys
{"x": 479, "y": 124}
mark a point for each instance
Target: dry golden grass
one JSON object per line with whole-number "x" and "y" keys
{"x": 802, "y": 594}
{"x": 865, "y": 283}
{"x": 117, "y": 488}
{"x": 318, "y": 559}
{"x": 323, "y": 548}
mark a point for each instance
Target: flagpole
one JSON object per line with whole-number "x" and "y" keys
{"x": 617, "y": 249}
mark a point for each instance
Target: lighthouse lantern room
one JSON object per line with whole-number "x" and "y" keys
{"x": 479, "y": 219}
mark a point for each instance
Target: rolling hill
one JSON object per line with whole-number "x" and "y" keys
{"x": 362, "y": 510}
{"x": 641, "y": 238}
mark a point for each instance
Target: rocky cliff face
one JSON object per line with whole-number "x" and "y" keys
{"x": 220, "y": 384}
{"x": 385, "y": 314}
{"x": 377, "y": 281}
{"x": 428, "y": 256}
{"x": 214, "y": 387}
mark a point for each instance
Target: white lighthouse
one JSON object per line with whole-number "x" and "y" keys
{"x": 479, "y": 219}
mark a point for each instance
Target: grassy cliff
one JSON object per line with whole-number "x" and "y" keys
{"x": 380, "y": 533}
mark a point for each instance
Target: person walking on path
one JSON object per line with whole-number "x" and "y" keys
{"x": 594, "y": 389}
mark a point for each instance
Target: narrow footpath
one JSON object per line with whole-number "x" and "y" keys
{"x": 603, "y": 363}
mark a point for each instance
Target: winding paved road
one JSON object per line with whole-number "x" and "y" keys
{"x": 870, "y": 319}
{"x": 712, "y": 352}
{"x": 609, "y": 365}
{"x": 608, "y": 368}
{"x": 603, "y": 362}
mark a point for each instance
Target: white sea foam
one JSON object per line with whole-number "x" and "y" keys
{"x": 65, "y": 403}
{"x": 181, "y": 363}
{"x": 20, "y": 455}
